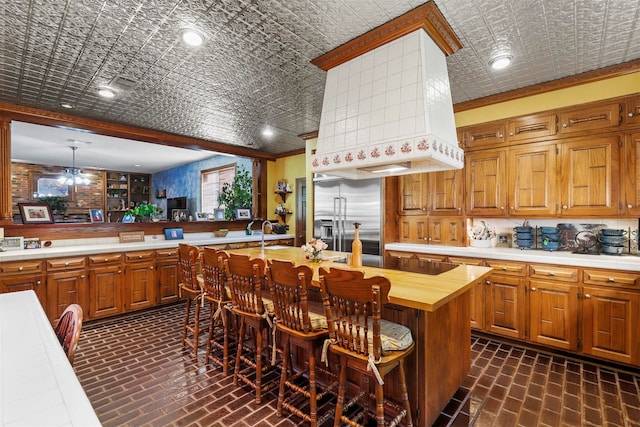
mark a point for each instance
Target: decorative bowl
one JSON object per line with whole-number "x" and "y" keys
{"x": 550, "y": 246}
{"x": 549, "y": 230}
{"x": 613, "y": 240}
{"x": 481, "y": 243}
{"x": 613, "y": 232}
{"x": 524, "y": 236}
{"x": 524, "y": 243}
{"x": 221, "y": 233}
{"x": 554, "y": 237}
{"x": 523, "y": 229}
{"x": 612, "y": 250}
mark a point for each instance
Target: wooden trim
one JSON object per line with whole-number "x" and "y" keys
{"x": 308, "y": 135}
{"x": 427, "y": 17}
{"x": 51, "y": 118}
{"x": 553, "y": 85}
{"x": 290, "y": 153}
{"x": 5, "y": 170}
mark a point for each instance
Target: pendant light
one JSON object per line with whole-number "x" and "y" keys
{"x": 72, "y": 175}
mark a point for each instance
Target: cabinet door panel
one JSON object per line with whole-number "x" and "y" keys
{"x": 485, "y": 178}
{"x": 633, "y": 111}
{"x": 64, "y": 288}
{"x": 25, "y": 282}
{"x": 446, "y": 192}
{"x": 168, "y": 282}
{"x": 631, "y": 175}
{"x": 532, "y": 180}
{"x": 446, "y": 231}
{"x": 610, "y": 323}
{"x": 590, "y": 180}
{"x": 505, "y": 305}
{"x": 140, "y": 285}
{"x": 105, "y": 293}
{"x": 476, "y": 294}
{"x": 553, "y": 314}
{"x": 413, "y": 188}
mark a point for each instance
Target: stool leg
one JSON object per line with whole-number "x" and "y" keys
{"x": 225, "y": 344}
{"x": 313, "y": 404}
{"x": 196, "y": 328}
{"x": 186, "y": 321}
{"x": 342, "y": 388}
{"x": 258, "y": 359}
{"x": 283, "y": 374}
{"x": 236, "y": 371}
{"x": 210, "y": 334}
{"x": 379, "y": 404}
{"x": 405, "y": 394}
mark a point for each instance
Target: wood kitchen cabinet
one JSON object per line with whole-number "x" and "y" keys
{"x": 432, "y": 230}
{"x": 532, "y": 126}
{"x": 532, "y": 183}
{"x": 590, "y": 181}
{"x": 633, "y": 111}
{"x": 476, "y": 293}
{"x": 105, "y": 285}
{"x": 590, "y": 118}
{"x": 413, "y": 194}
{"x": 631, "y": 175}
{"x": 485, "y": 182}
{"x": 504, "y": 299}
{"x": 485, "y": 135}
{"x": 66, "y": 284}
{"x": 139, "y": 276}
{"x": 554, "y": 306}
{"x": 167, "y": 275}
{"x": 23, "y": 276}
{"x": 446, "y": 190}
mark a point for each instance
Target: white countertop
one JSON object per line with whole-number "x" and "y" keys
{"x": 96, "y": 246}
{"x": 616, "y": 262}
{"x": 38, "y": 386}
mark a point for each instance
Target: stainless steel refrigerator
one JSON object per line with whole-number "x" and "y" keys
{"x": 338, "y": 203}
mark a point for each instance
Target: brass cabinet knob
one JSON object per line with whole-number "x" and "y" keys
{"x": 587, "y": 296}
{"x": 534, "y": 289}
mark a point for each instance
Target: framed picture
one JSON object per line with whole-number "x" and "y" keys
{"x": 503, "y": 241}
{"x": 173, "y": 234}
{"x": 243, "y": 213}
{"x": 35, "y": 213}
{"x": 179, "y": 215}
{"x": 46, "y": 185}
{"x": 218, "y": 214}
{"x": 96, "y": 215}
{"x": 281, "y": 186}
{"x": 12, "y": 243}
{"x": 202, "y": 216}
{"x": 32, "y": 243}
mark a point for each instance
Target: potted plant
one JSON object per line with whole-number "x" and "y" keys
{"x": 57, "y": 204}
{"x": 143, "y": 212}
{"x": 237, "y": 194}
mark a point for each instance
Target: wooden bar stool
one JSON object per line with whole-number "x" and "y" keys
{"x": 364, "y": 342}
{"x": 219, "y": 297}
{"x": 245, "y": 277}
{"x": 192, "y": 288}
{"x": 302, "y": 323}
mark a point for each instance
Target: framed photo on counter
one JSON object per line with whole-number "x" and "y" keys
{"x": 96, "y": 215}
{"x": 12, "y": 243}
{"x": 243, "y": 213}
{"x": 173, "y": 234}
{"x": 35, "y": 213}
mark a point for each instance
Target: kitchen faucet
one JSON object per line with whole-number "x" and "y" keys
{"x": 262, "y": 228}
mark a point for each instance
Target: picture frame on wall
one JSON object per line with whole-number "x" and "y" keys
{"x": 35, "y": 213}
{"x": 173, "y": 234}
{"x": 243, "y": 213}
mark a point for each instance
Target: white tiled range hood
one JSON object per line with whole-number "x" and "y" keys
{"x": 388, "y": 112}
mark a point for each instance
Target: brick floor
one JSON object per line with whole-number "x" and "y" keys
{"x": 136, "y": 374}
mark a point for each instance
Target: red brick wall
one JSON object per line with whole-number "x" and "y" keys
{"x": 81, "y": 197}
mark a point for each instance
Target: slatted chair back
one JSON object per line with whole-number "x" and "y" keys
{"x": 288, "y": 285}
{"x": 68, "y": 329}
{"x": 245, "y": 277}
{"x": 188, "y": 261}
{"x": 352, "y": 306}
{"x": 215, "y": 278}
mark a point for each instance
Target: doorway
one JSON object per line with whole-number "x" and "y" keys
{"x": 301, "y": 211}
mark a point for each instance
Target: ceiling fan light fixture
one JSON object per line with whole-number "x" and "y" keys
{"x": 191, "y": 37}
{"x": 501, "y": 61}
{"x": 106, "y": 92}
{"x": 72, "y": 175}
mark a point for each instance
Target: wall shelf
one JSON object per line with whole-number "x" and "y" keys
{"x": 283, "y": 195}
{"x": 283, "y": 215}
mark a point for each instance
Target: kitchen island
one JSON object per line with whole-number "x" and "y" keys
{"x": 437, "y": 310}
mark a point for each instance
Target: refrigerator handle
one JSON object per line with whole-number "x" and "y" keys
{"x": 335, "y": 222}
{"x": 343, "y": 244}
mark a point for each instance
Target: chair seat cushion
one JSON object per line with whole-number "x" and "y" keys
{"x": 316, "y": 316}
{"x": 394, "y": 336}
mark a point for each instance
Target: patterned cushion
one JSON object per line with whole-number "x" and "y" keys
{"x": 200, "y": 281}
{"x": 394, "y": 336}
{"x": 316, "y": 316}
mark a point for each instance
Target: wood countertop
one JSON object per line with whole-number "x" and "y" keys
{"x": 413, "y": 290}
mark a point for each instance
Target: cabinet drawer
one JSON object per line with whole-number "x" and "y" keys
{"x": 590, "y": 118}
{"x": 535, "y": 126}
{"x": 554, "y": 272}
{"x": 512, "y": 268}
{"x": 21, "y": 267}
{"x": 431, "y": 257}
{"x": 66, "y": 263}
{"x": 167, "y": 254}
{"x": 465, "y": 261}
{"x": 105, "y": 259}
{"x": 139, "y": 256}
{"x": 611, "y": 278}
{"x": 484, "y": 135}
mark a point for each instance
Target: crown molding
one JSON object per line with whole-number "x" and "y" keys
{"x": 428, "y": 17}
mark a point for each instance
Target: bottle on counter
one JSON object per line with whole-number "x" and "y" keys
{"x": 356, "y": 247}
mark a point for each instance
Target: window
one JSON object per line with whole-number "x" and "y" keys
{"x": 211, "y": 182}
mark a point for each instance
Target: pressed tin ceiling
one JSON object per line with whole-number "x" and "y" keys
{"x": 254, "y": 68}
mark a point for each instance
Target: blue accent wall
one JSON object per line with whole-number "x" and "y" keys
{"x": 185, "y": 180}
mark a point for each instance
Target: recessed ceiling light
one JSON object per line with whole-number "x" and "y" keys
{"x": 191, "y": 37}
{"x": 66, "y": 105}
{"x": 106, "y": 92}
{"x": 267, "y": 132}
{"x": 500, "y": 62}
